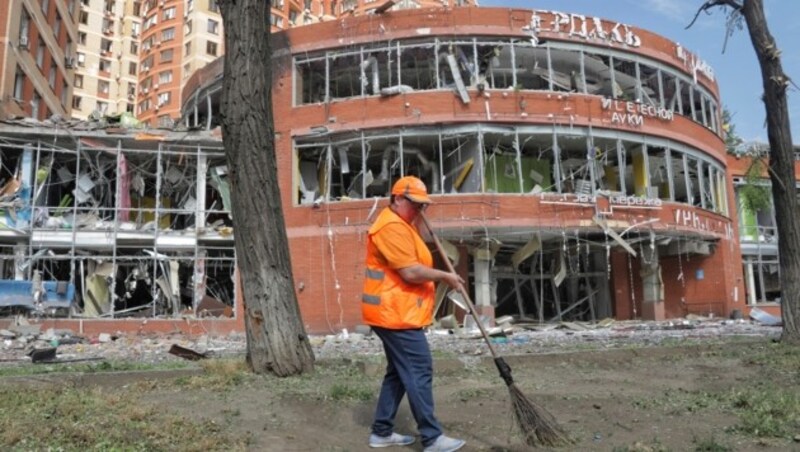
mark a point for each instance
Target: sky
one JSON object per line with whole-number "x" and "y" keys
{"x": 736, "y": 70}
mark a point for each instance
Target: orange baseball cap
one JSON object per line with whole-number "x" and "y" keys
{"x": 412, "y": 188}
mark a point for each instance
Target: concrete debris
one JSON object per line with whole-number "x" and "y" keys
{"x": 765, "y": 317}
{"x": 186, "y": 353}
{"x": 448, "y": 322}
{"x": 398, "y": 89}
{"x": 39, "y": 355}
{"x": 509, "y": 339}
{"x": 363, "y": 330}
{"x": 210, "y": 306}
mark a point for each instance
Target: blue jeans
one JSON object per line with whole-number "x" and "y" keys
{"x": 409, "y": 371}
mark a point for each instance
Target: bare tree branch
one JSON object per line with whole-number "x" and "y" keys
{"x": 705, "y": 7}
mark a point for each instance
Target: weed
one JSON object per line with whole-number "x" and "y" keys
{"x": 709, "y": 445}
{"x": 219, "y": 375}
{"x": 474, "y": 393}
{"x": 342, "y": 392}
{"x": 767, "y": 412}
{"x": 762, "y": 411}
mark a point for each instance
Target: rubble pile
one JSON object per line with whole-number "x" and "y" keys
{"x": 19, "y": 342}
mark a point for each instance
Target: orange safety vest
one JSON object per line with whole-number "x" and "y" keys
{"x": 388, "y": 300}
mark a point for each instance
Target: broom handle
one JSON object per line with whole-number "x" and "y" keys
{"x": 463, "y": 289}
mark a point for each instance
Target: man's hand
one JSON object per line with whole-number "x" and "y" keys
{"x": 453, "y": 280}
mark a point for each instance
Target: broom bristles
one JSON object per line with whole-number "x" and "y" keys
{"x": 538, "y": 426}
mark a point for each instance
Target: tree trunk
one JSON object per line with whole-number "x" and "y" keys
{"x": 784, "y": 191}
{"x": 276, "y": 339}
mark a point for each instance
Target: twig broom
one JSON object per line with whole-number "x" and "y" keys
{"x": 538, "y": 426}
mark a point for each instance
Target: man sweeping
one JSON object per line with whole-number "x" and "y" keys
{"x": 397, "y": 303}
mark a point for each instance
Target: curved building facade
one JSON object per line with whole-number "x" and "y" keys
{"x": 577, "y": 164}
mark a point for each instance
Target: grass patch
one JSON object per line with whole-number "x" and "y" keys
{"x": 331, "y": 381}
{"x": 767, "y": 413}
{"x": 61, "y": 418}
{"x": 780, "y": 359}
{"x": 218, "y": 375}
{"x": 763, "y": 412}
{"x": 345, "y": 392}
{"x": 88, "y": 367}
{"x": 710, "y": 445}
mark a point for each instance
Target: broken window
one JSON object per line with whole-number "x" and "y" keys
{"x": 418, "y": 66}
{"x": 636, "y": 174}
{"x": 577, "y": 175}
{"x": 313, "y": 173}
{"x": 345, "y": 75}
{"x": 422, "y": 157}
{"x": 462, "y": 161}
{"x": 537, "y": 153}
{"x": 531, "y": 66}
{"x": 503, "y": 167}
{"x": 495, "y": 65}
{"x": 310, "y": 79}
{"x": 693, "y": 176}
{"x": 457, "y": 64}
{"x": 380, "y": 68}
{"x": 670, "y": 85}
{"x": 652, "y": 83}
{"x": 755, "y": 226}
{"x": 762, "y": 278}
{"x": 565, "y": 70}
{"x": 659, "y": 175}
{"x": 608, "y": 164}
{"x": 626, "y": 76}
{"x": 720, "y": 192}
{"x": 599, "y": 76}
{"x": 685, "y": 99}
{"x": 707, "y": 186}
{"x": 551, "y": 278}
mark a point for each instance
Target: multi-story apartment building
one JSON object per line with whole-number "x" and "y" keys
{"x": 168, "y": 30}
{"x": 107, "y": 58}
{"x": 37, "y": 41}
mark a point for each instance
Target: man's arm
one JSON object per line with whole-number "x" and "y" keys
{"x": 418, "y": 273}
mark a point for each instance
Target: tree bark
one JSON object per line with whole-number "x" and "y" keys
{"x": 276, "y": 338}
{"x": 784, "y": 191}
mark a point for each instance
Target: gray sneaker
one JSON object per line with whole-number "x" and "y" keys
{"x": 395, "y": 439}
{"x": 445, "y": 444}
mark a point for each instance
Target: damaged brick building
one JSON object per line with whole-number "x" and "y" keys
{"x": 106, "y": 224}
{"x": 577, "y": 165}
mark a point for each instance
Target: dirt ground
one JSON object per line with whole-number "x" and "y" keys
{"x": 638, "y": 399}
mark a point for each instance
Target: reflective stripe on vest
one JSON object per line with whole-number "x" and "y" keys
{"x": 371, "y": 299}
{"x": 374, "y": 279}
